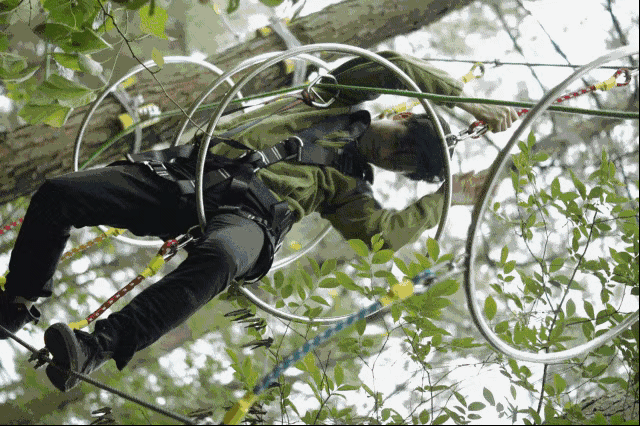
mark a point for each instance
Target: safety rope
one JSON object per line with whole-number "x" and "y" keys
{"x": 108, "y": 233}
{"x": 43, "y": 357}
{"x": 497, "y": 63}
{"x": 456, "y": 99}
{"x": 398, "y": 292}
{"x": 433, "y": 97}
{"x": 167, "y": 251}
{"x": 8, "y": 227}
{"x": 475, "y": 72}
{"x": 478, "y": 128}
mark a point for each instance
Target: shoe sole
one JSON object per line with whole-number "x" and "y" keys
{"x": 61, "y": 342}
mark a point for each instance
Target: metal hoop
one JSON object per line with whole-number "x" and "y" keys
{"x": 479, "y": 211}
{"x": 213, "y": 86}
{"x": 135, "y": 70}
{"x": 296, "y": 52}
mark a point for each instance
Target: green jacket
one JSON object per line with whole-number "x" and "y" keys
{"x": 345, "y": 201}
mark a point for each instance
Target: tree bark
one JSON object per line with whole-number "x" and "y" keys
{"x": 32, "y": 153}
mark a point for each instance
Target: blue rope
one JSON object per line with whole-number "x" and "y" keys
{"x": 312, "y": 344}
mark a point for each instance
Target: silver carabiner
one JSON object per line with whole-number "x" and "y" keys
{"x": 309, "y": 94}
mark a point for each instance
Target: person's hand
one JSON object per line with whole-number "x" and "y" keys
{"x": 466, "y": 187}
{"x": 498, "y": 118}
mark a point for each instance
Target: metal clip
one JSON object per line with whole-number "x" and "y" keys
{"x": 309, "y": 94}
{"x": 300, "y": 144}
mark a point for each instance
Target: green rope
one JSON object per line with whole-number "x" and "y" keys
{"x": 455, "y": 99}
{"x": 430, "y": 96}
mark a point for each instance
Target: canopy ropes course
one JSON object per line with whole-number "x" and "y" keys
{"x": 137, "y": 118}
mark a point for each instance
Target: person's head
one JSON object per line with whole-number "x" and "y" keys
{"x": 410, "y": 146}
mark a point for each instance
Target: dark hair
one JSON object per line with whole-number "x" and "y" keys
{"x": 422, "y": 134}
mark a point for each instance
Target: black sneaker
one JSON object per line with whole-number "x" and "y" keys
{"x": 13, "y": 316}
{"x": 72, "y": 350}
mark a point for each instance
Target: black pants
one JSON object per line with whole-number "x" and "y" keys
{"x": 130, "y": 196}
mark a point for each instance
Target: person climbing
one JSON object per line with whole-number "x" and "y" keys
{"x": 266, "y": 170}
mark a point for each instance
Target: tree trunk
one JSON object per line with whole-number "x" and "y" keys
{"x": 32, "y": 153}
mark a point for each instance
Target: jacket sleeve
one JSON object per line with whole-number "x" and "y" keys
{"x": 363, "y": 72}
{"x": 361, "y": 216}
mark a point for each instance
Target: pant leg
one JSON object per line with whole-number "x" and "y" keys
{"x": 228, "y": 250}
{"x": 125, "y": 196}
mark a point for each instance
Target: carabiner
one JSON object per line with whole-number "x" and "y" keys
{"x": 627, "y": 76}
{"x": 309, "y": 94}
{"x": 470, "y": 75}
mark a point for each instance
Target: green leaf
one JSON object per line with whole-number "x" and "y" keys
{"x": 53, "y": 32}
{"x": 346, "y": 281}
{"x": 66, "y": 92}
{"x": 441, "y": 419}
{"x": 359, "y": 247}
{"x": 555, "y": 188}
{"x": 579, "y": 185}
{"x": 53, "y": 115}
{"x": 278, "y": 279}
{"x": 559, "y": 383}
{"x": 338, "y": 375}
{"x": 540, "y": 157}
{"x": 320, "y": 300}
{"x": 383, "y": 256}
{"x": 271, "y": 3}
{"x": 396, "y": 311}
{"x": 588, "y": 307}
{"x": 401, "y": 265}
{"x": 329, "y": 283}
{"x": 157, "y": 57}
{"x": 301, "y": 293}
{"x": 287, "y": 291}
{"x": 87, "y": 41}
{"x": 504, "y": 254}
{"x": 308, "y": 281}
{"x": 488, "y": 396}
{"x": 509, "y": 266}
{"x": 490, "y": 307}
{"x": 360, "y": 326}
{"x": 68, "y": 60}
{"x": 443, "y": 288}
{"x": 314, "y": 266}
{"x": 9, "y": 5}
{"x": 476, "y": 406}
{"x": 433, "y": 249}
{"x": 571, "y": 308}
{"x": 73, "y": 14}
{"x": 18, "y": 76}
{"x": 155, "y": 23}
{"x": 556, "y": 264}
{"x": 328, "y": 266}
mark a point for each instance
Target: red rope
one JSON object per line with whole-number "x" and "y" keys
{"x": 476, "y": 133}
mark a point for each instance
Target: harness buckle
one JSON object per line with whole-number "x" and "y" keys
{"x": 300, "y": 143}
{"x": 158, "y": 168}
{"x": 256, "y": 159}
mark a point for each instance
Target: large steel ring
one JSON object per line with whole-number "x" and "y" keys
{"x": 213, "y": 86}
{"x": 332, "y": 47}
{"x": 85, "y": 123}
{"x": 479, "y": 211}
